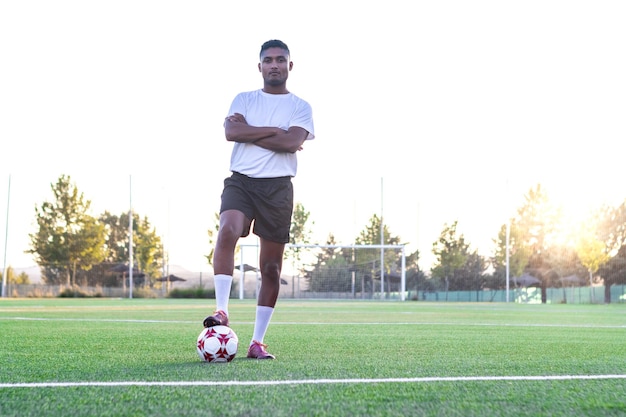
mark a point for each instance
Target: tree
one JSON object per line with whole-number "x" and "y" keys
{"x": 451, "y": 253}
{"x": 148, "y": 254}
{"x": 612, "y": 227}
{"x": 212, "y": 236}
{"x": 614, "y": 272}
{"x": 327, "y": 253}
{"x": 458, "y": 267}
{"x": 537, "y": 227}
{"x": 21, "y": 279}
{"x": 333, "y": 276}
{"x": 473, "y": 273}
{"x": 330, "y": 271}
{"x": 300, "y": 230}
{"x": 519, "y": 254}
{"x": 563, "y": 262}
{"x": 371, "y": 236}
{"x": 334, "y": 267}
{"x": 300, "y": 233}
{"x": 116, "y": 228}
{"x": 592, "y": 255}
{"x": 68, "y": 239}
{"x": 415, "y": 277}
{"x": 212, "y": 233}
{"x": 591, "y": 251}
{"x": 148, "y": 250}
{"x": 612, "y": 231}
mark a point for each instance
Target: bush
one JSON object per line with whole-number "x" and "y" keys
{"x": 142, "y": 292}
{"x": 197, "y": 292}
{"x": 77, "y": 292}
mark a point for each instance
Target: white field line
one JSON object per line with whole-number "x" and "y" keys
{"x": 414, "y": 323}
{"x": 305, "y": 381}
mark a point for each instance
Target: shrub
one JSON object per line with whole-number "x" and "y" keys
{"x": 197, "y": 292}
{"x": 77, "y": 292}
{"x": 143, "y": 292}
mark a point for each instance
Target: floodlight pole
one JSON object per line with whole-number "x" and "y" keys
{"x": 382, "y": 242}
{"x": 130, "y": 241}
{"x": 403, "y": 276}
{"x": 508, "y": 238}
{"x": 6, "y": 238}
{"x": 508, "y": 232}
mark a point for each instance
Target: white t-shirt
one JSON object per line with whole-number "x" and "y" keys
{"x": 276, "y": 110}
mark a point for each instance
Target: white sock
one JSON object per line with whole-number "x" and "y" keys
{"x": 223, "y": 284}
{"x": 263, "y": 317}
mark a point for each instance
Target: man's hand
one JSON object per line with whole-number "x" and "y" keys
{"x": 237, "y": 118}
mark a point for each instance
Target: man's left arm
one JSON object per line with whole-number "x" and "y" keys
{"x": 290, "y": 141}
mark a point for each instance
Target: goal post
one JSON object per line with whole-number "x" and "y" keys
{"x": 333, "y": 271}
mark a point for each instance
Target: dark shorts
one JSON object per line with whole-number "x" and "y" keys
{"x": 266, "y": 201}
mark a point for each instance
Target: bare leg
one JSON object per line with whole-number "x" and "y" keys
{"x": 271, "y": 263}
{"x": 232, "y": 225}
{"x": 271, "y": 259}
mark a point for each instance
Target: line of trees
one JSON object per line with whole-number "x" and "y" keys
{"x": 73, "y": 247}
{"x": 544, "y": 246}
{"x": 12, "y": 278}
{"x": 538, "y": 242}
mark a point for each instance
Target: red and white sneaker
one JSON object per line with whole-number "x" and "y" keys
{"x": 219, "y": 318}
{"x": 257, "y": 351}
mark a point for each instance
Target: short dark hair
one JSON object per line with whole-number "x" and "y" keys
{"x": 274, "y": 43}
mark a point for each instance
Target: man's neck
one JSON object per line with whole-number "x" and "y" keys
{"x": 275, "y": 89}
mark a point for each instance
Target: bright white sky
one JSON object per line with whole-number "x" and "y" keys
{"x": 434, "y": 111}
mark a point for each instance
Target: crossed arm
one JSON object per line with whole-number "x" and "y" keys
{"x": 274, "y": 139}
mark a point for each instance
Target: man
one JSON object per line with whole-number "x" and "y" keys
{"x": 268, "y": 126}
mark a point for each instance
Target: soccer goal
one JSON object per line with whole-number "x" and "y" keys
{"x": 312, "y": 271}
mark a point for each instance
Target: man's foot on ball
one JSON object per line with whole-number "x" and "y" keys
{"x": 219, "y": 318}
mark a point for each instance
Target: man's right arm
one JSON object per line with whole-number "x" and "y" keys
{"x": 238, "y": 130}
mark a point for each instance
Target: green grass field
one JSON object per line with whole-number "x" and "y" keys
{"x": 104, "y": 357}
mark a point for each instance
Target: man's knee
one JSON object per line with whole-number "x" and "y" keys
{"x": 228, "y": 234}
{"x": 271, "y": 270}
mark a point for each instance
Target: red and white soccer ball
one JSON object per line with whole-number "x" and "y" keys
{"x": 217, "y": 344}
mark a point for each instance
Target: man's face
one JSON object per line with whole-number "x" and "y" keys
{"x": 275, "y": 66}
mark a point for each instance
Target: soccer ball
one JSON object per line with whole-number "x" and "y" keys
{"x": 217, "y": 344}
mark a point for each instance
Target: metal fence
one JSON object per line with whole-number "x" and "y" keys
{"x": 528, "y": 295}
